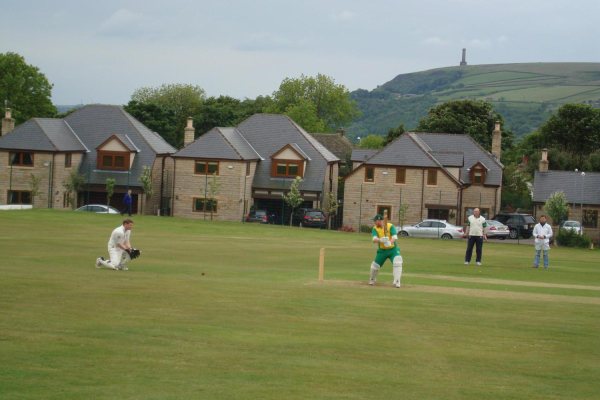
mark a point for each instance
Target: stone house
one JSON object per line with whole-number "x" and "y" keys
{"x": 253, "y": 163}
{"x": 97, "y": 141}
{"x": 582, "y": 192}
{"x": 440, "y": 176}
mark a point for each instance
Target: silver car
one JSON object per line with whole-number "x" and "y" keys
{"x": 98, "y": 208}
{"x": 432, "y": 228}
{"x": 497, "y": 230}
{"x": 571, "y": 225}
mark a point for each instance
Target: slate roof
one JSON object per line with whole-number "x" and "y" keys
{"x": 362, "y": 155}
{"x": 570, "y": 182}
{"x": 213, "y": 145}
{"x": 335, "y": 143}
{"x": 94, "y": 124}
{"x": 269, "y": 133}
{"x": 240, "y": 144}
{"x": 437, "y": 150}
{"x": 42, "y": 134}
{"x": 127, "y": 142}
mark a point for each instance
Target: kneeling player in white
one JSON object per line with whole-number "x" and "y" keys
{"x": 118, "y": 247}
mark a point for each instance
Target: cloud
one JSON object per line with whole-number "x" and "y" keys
{"x": 480, "y": 43}
{"x": 436, "y": 41}
{"x": 343, "y": 16}
{"x": 503, "y": 39}
{"x": 125, "y": 23}
{"x": 268, "y": 42}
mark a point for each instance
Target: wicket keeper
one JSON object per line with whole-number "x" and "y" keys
{"x": 386, "y": 237}
{"x": 118, "y": 247}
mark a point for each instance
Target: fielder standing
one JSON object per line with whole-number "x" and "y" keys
{"x": 542, "y": 233}
{"x": 118, "y": 248}
{"x": 387, "y": 249}
{"x": 476, "y": 232}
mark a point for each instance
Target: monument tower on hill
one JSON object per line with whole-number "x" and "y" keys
{"x": 463, "y": 63}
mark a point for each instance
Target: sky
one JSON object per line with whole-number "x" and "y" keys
{"x": 101, "y": 51}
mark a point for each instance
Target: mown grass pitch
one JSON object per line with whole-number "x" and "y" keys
{"x": 259, "y": 325}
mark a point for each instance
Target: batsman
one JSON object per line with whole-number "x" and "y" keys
{"x": 385, "y": 235}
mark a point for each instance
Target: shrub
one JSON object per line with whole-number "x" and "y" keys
{"x": 364, "y": 228}
{"x": 570, "y": 238}
{"x": 347, "y": 229}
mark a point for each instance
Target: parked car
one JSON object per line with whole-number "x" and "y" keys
{"x": 98, "y": 208}
{"x": 496, "y": 229}
{"x": 432, "y": 228}
{"x": 260, "y": 216}
{"x": 523, "y": 223}
{"x": 309, "y": 217}
{"x": 572, "y": 225}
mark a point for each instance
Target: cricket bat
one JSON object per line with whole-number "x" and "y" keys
{"x": 385, "y": 222}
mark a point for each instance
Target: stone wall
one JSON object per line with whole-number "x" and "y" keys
{"x": 230, "y": 197}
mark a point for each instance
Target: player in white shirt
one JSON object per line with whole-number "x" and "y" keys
{"x": 118, "y": 247}
{"x": 476, "y": 233}
{"x": 542, "y": 234}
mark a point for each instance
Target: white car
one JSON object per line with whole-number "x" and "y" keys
{"x": 98, "y": 208}
{"x": 572, "y": 225}
{"x": 432, "y": 228}
{"x": 497, "y": 230}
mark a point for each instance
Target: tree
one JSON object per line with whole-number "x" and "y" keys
{"x": 330, "y": 206}
{"x": 371, "y": 142}
{"x": 211, "y": 194}
{"x": 110, "y": 188}
{"x": 182, "y": 100}
{"x": 293, "y": 198}
{"x": 304, "y": 113}
{"x": 27, "y": 89}
{"x": 73, "y": 183}
{"x": 574, "y": 129}
{"x": 515, "y": 188}
{"x": 475, "y": 118}
{"x": 157, "y": 118}
{"x": 146, "y": 181}
{"x": 34, "y": 184}
{"x": 393, "y": 134}
{"x": 557, "y": 207}
{"x": 331, "y": 101}
{"x": 403, "y": 215}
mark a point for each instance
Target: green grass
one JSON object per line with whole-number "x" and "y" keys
{"x": 259, "y": 325}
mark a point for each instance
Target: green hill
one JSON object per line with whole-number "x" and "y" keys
{"x": 525, "y": 94}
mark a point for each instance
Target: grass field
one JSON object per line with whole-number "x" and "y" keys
{"x": 258, "y": 324}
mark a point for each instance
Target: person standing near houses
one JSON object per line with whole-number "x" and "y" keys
{"x": 118, "y": 247}
{"x": 542, "y": 233}
{"x": 127, "y": 201}
{"x": 476, "y": 233}
{"x": 387, "y": 249}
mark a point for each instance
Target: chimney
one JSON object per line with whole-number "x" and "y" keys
{"x": 341, "y": 132}
{"x": 8, "y": 123}
{"x": 544, "y": 161}
{"x": 497, "y": 141}
{"x": 188, "y": 135}
{"x": 463, "y": 63}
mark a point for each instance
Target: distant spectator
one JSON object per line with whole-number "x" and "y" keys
{"x": 127, "y": 201}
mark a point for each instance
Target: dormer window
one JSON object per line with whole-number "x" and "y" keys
{"x": 478, "y": 172}
{"x": 289, "y": 162}
{"x": 116, "y": 153}
{"x": 114, "y": 161}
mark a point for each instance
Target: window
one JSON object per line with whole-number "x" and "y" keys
{"x": 400, "y": 175}
{"x": 247, "y": 169}
{"x": 432, "y": 177}
{"x": 435, "y": 213}
{"x": 484, "y": 212}
{"x": 19, "y": 197}
{"x": 477, "y": 176}
{"x": 369, "y": 174}
{"x": 590, "y": 218}
{"x": 21, "y": 159}
{"x": 425, "y": 224}
{"x": 207, "y": 167}
{"x": 201, "y": 205}
{"x": 287, "y": 169}
{"x": 380, "y": 210}
{"x": 116, "y": 161}
{"x": 68, "y": 160}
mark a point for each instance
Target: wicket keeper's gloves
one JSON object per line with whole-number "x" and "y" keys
{"x": 134, "y": 253}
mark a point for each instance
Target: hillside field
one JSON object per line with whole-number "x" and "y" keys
{"x": 542, "y": 87}
{"x": 259, "y": 325}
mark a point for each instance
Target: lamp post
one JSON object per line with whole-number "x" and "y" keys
{"x": 49, "y": 165}
{"x": 582, "y": 176}
{"x": 574, "y": 190}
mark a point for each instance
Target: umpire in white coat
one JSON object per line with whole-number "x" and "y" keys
{"x": 542, "y": 234}
{"x": 118, "y": 247}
